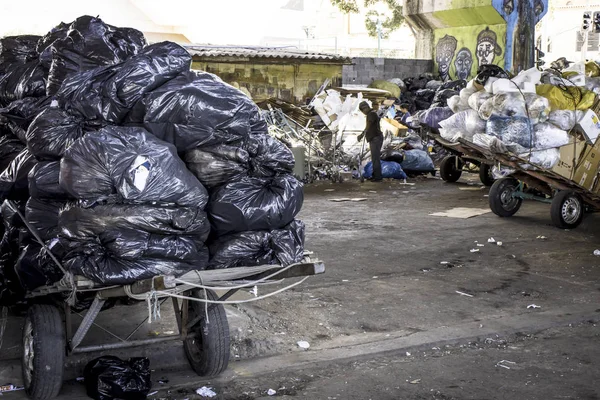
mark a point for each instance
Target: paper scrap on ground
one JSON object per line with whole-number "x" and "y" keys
{"x": 480, "y": 244}
{"x": 348, "y": 199}
{"x": 414, "y": 382}
{"x": 499, "y": 243}
{"x": 464, "y": 294}
{"x": 329, "y": 190}
{"x": 597, "y": 252}
{"x": 405, "y": 183}
{"x": 541, "y": 237}
{"x": 474, "y": 250}
{"x": 205, "y": 392}
{"x": 491, "y": 240}
{"x": 10, "y": 388}
{"x": 533, "y": 306}
{"x": 462, "y": 212}
{"x": 303, "y": 344}
{"x": 503, "y": 363}
{"x": 271, "y": 392}
{"x": 473, "y": 188}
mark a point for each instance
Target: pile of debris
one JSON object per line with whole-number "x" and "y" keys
{"x": 126, "y": 165}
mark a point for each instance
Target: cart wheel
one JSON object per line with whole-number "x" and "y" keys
{"x": 44, "y": 348}
{"x": 449, "y": 170}
{"x": 485, "y": 174}
{"x": 502, "y": 203}
{"x": 207, "y": 344}
{"x": 567, "y": 209}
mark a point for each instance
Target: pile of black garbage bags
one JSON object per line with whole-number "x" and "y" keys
{"x": 127, "y": 165}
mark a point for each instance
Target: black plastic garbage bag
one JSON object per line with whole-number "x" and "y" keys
{"x": 269, "y": 156}
{"x": 52, "y": 132}
{"x": 441, "y": 97}
{"x": 17, "y": 50}
{"x": 132, "y": 164}
{"x": 43, "y": 181}
{"x": 44, "y": 44}
{"x": 199, "y": 109}
{"x": 217, "y": 165}
{"x": 43, "y": 216}
{"x": 512, "y": 130}
{"x": 454, "y": 85}
{"x": 433, "y": 116}
{"x": 282, "y": 247}
{"x": 35, "y": 268}
{"x": 252, "y": 204}
{"x": 417, "y": 160}
{"x": 90, "y": 43}
{"x": 109, "y": 93}
{"x": 18, "y": 115}
{"x": 10, "y": 287}
{"x": 389, "y": 154}
{"x": 21, "y": 81}
{"x": 95, "y": 263}
{"x": 79, "y": 222}
{"x": 10, "y": 147}
{"x": 108, "y": 378}
{"x": 416, "y": 84}
{"x": 13, "y": 180}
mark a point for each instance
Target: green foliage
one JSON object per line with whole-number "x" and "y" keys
{"x": 390, "y": 21}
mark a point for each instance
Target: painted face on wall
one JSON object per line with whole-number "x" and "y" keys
{"x": 444, "y": 52}
{"x": 487, "y": 47}
{"x": 463, "y": 63}
{"x": 508, "y": 6}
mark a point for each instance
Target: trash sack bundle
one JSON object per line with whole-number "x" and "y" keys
{"x": 566, "y": 97}
{"x": 389, "y": 169}
{"x": 434, "y": 85}
{"x": 457, "y": 85}
{"x": 44, "y": 44}
{"x": 414, "y": 84}
{"x": 253, "y": 204}
{"x": 390, "y": 154}
{"x": 17, "y": 50}
{"x": 44, "y": 181}
{"x": 9, "y": 214}
{"x": 90, "y": 43}
{"x": 548, "y": 136}
{"x": 442, "y": 96}
{"x": 10, "y": 147}
{"x": 130, "y": 164}
{"x": 244, "y": 249}
{"x": 478, "y": 98}
{"x": 79, "y": 222}
{"x": 269, "y": 156}
{"x": 21, "y": 81}
{"x": 13, "y": 180}
{"x": 467, "y": 92}
{"x": 11, "y": 290}
{"x": 525, "y": 105}
{"x": 425, "y": 95}
{"x": 108, "y": 378}
{"x": 465, "y": 122}
{"x": 35, "y": 268}
{"x": 109, "y": 93}
{"x": 512, "y": 130}
{"x": 486, "y": 110}
{"x": 457, "y": 105}
{"x": 547, "y": 158}
{"x": 417, "y": 160}
{"x": 489, "y": 142}
{"x": 413, "y": 142}
{"x": 93, "y": 261}
{"x": 217, "y": 165}
{"x": 399, "y": 82}
{"x": 18, "y": 115}
{"x": 389, "y": 87}
{"x": 564, "y": 119}
{"x": 199, "y": 109}
{"x": 52, "y": 132}
{"x": 136, "y": 244}
{"x": 433, "y": 116}
{"x": 43, "y": 216}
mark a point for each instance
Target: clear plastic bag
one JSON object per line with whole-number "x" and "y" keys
{"x": 548, "y": 136}
{"x": 547, "y": 158}
{"x": 478, "y": 98}
{"x": 564, "y": 119}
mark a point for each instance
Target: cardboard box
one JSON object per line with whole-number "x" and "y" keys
{"x": 570, "y": 155}
{"x": 587, "y": 169}
{"x": 589, "y": 126}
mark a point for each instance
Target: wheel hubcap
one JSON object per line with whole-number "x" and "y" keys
{"x": 508, "y": 201}
{"x": 571, "y": 210}
{"x": 28, "y": 353}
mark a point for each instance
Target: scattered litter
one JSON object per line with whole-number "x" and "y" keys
{"x": 473, "y": 188}
{"x": 10, "y": 388}
{"x": 338, "y": 200}
{"x": 329, "y": 190}
{"x": 303, "y": 344}
{"x": 503, "y": 363}
{"x": 425, "y": 269}
{"x": 205, "y": 392}
{"x": 344, "y": 280}
{"x": 405, "y": 183}
{"x": 474, "y": 250}
{"x": 153, "y": 393}
{"x": 499, "y": 243}
{"x": 541, "y": 237}
{"x": 372, "y": 191}
{"x": 491, "y": 240}
{"x": 407, "y": 354}
{"x": 464, "y": 294}
{"x": 271, "y": 392}
{"x": 254, "y": 291}
{"x": 414, "y": 382}
{"x": 533, "y": 306}
{"x": 486, "y": 195}
{"x": 163, "y": 381}
{"x": 375, "y": 277}
{"x": 597, "y": 252}
{"x": 405, "y": 191}
{"x": 444, "y": 262}
{"x": 480, "y": 244}
{"x": 462, "y": 212}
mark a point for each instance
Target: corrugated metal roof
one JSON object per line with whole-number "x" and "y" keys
{"x": 287, "y": 53}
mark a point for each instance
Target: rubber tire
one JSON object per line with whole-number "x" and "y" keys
{"x": 49, "y": 345}
{"x": 556, "y": 209}
{"x": 495, "y": 197}
{"x": 448, "y": 170}
{"x": 211, "y": 356}
{"x": 485, "y": 175}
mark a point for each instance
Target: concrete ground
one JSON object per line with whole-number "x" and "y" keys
{"x": 400, "y": 280}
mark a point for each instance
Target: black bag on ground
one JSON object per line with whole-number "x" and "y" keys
{"x": 44, "y": 44}
{"x": 52, "y": 132}
{"x": 35, "y": 268}
{"x": 217, "y": 165}
{"x": 22, "y": 81}
{"x": 14, "y": 184}
{"x": 131, "y": 164}
{"x": 43, "y": 216}
{"x": 79, "y": 222}
{"x": 390, "y": 154}
{"x": 43, "y": 181}
{"x": 110, "y": 378}
{"x": 10, "y": 147}
{"x": 109, "y": 93}
{"x": 252, "y": 204}
{"x": 269, "y": 156}
{"x": 18, "y": 115}
{"x": 199, "y": 109}
{"x": 90, "y": 43}
{"x": 282, "y": 246}
{"x": 18, "y": 50}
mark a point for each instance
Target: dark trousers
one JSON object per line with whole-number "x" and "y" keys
{"x": 375, "y": 145}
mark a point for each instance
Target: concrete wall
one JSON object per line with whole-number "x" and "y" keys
{"x": 365, "y": 70}
{"x": 291, "y": 82}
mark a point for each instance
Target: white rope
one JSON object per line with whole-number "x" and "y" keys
{"x": 232, "y": 301}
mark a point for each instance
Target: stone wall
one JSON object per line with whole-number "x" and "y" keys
{"x": 293, "y": 82}
{"x": 365, "y": 70}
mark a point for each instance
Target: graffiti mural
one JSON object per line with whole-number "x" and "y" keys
{"x": 463, "y": 63}
{"x": 444, "y": 52}
{"x": 487, "y": 47}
